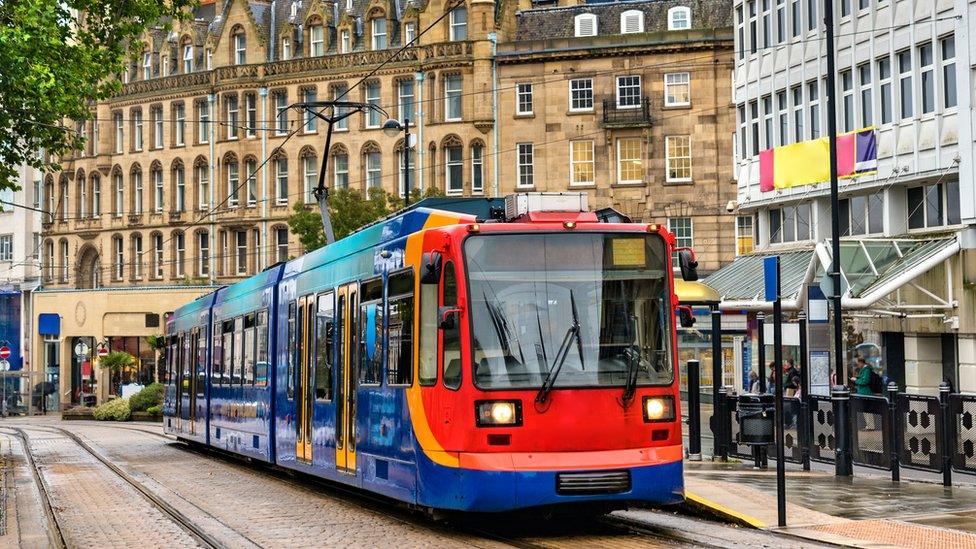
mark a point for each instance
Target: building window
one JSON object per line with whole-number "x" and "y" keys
{"x": 454, "y": 169}
{"x": 179, "y": 125}
{"x": 187, "y": 59}
{"x": 783, "y": 117}
{"x": 316, "y": 41}
{"x": 767, "y": 28}
{"x": 678, "y": 154}
{"x": 948, "y": 47}
{"x": 157, "y": 257}
{"x": 233, "y": 184}
{"x": 345, "y": 42}
{"x": 753, "y": 27}
{"x": 525, "y": 165}
{"x": 860, "y": 215}
{"x": 180, "y": 255}
{"x": 281, "y": 244}
{"x": 933, "y": 205}
{"x": 628, "y": 92}
{"x": 905, "y": 83}
{"x": 812, "y": 14}
{"x": 631, "y": 21}
{"x": 241, "y": 255}
{"x": 203, "y": 124}
{"x": 409, "y": 32}
{"x": 157, "y": 116}
{"x": 146, "y": 66}
{"x": 340, "y": 171}
{"x": 251, "y": 121}
{"x": 374, "y": 173}
{"x": 379, "y": 33}
{"x": 373, "y": 98}
{"x": 813, "y": 97}
{"x": 789, "y": 224}
{"x": 459, "y": 24}
{"x": 767, "y": 113}
{"x": 119, "y": 270}
{"x": 745, "y": 238}
{"x": 338, "y": 92}
{"x": 281, "y": 181}
{"x": 311, "y": 121}
{"x": 867, "y": 99}
{"x": 401, "y": 182}
{"x": 118, "y": 205}
{"x": 884, "y": 77}
{"x": 754, "y": 126}
{"x": 6, "y": 247}
{"x": 585, "y": 25}
{"x": 96, "y": 197}
{"x": 203, "y": 244}
{"x": 232, "y": 117}
{"x": 285, "y": 49}
{"x": 780, "y": 21}
{"x": 684, "y": 235}
{"x": 797, "y": 95}
{"x": 523, "y": 99}
{"x": 180, "y": 184}
{"x": 926, "y": 61}
{"x": 119, "y": 133}
{"x": 581, "y": 163}
{"x": 405, "y": 99}
{"x": 281, "y": 113}
{"x": 157, "y": 176}
{"x": 209, "y": 59}
{"x": 137, "y": 193}
{"x": 251, "y": 181}
{"x": 677, "y": 89}
{"x": 137, "y": 130}
{"x": 164, "y": 61}
{"x": 679, "y": 18}
{"x": 311, "y": 178}
{"x": 477, "y": 168}
{"x": 630, "y": 165}
{"x": 203, "y": 186}
{"x": 137, "y": 256}
{"x": 452, "y": 97}
{"x": 847, "y": 87}
{"x": 845, "y": 8}
{"x": 581, "y": 94}
{"x": 240, "y": 49}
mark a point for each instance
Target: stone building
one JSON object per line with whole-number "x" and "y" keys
{"x": 192, "y": 170}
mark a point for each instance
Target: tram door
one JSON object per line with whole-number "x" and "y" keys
{"x": 345, "y": 398}
{"x": 176, "y": 374}
{"x": 303, "y": 413}
{"x": 190, "y": 368}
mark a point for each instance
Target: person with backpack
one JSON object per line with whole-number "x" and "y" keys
{"x": 876, "y": 382}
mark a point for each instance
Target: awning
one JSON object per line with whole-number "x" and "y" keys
{"x": 695, "y": 292}
{"x": 872, "y": 268}
{"x": 49, "y": 324}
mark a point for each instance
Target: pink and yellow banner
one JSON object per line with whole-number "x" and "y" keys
{"x": 808, "y": 162}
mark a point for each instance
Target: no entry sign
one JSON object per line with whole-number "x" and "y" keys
{"x": 102, "y": 351}
{"x": 4, "y": 352}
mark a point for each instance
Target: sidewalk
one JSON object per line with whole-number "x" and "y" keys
{"x": 866, "y": 511}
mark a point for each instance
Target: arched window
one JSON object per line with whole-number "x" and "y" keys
{"x": 156, "y": 172}
{"x": 458, "y": 24}
{"x": 585, "y": 24}
{"x": 201, "y": 174}
{"x": 477, "y": 167}
{"x": 179, "y": 254}
{"x": 81, "y": 199}
{"x": 179, "y": 186}
{"x": 146, "y": 65}
{"x": 238, "y": 45}
{"x": 453, "y": 165}
{"x": 64, "y": 260}
{"x": 118, "y": 257}
{"x": 340, "y": 166}
{"x": 679, "y": 18}
{"x": 310, "y": 173}
{"x": 137, "y": 190}
{"x": 377, "y": 30}
{"x": 49, "y": 260}
{"x": 118, "y": 192}
{"x": 316, "y": 37}
{"x": 631, "y": 21}
{"x": 96, "y": 196}
{"x": 203, "y": 253}
{"x": 188, "y": 54}
{"x": 372, "y": 165}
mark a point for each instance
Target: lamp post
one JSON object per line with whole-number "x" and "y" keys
{"x": 392, "y": 128}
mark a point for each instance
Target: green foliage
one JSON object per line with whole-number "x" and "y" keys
{"x": 150, "y": 395}
{"x": 117, "y": 361}
{"x": 114, "y": 410}
{"x": 156, "y": 341}
{"x": 154, "y": 410}
{"x": 349, "y": 210}
{"x": 56, "y": 63}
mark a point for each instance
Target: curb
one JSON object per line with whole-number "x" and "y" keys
{"x": 704, "y": 506}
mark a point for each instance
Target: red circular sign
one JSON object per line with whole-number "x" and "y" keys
{"x": 4, "y": 352}
{"x": 102, "y": 351}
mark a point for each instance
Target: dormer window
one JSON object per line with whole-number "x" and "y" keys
{"x": 285, "y": 49}
{"x": 459, "y": 24}
{"x": 146, "y": 66}
{"x": 679, "y": 18}
{"x": 316, "y": 39}
{"x": 631, "y": 21}
{"x": 345, "y": 42}
{"x": 379, "y": 33}
{"x": 348, "y": 5}
{"x": 188, "y": 58}
{"x": 586, "y": 25}
{"x": 209, "y": 59}
{"x": 409, "y": 32}
{"x": 240, "y": 48}
{"x": 164, "y": 71}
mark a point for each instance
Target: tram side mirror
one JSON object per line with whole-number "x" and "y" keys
{"x": 685, "y": 317}
{"x": 448, "y": 317}
{"x": 430, "y": 268}
{"x": 688, "y": 264}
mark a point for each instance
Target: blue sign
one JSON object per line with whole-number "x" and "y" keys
{"x": 771, "y": 277}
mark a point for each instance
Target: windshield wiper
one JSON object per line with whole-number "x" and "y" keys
{"x": 633, "y": 361}
{"x": 562, "y": 353}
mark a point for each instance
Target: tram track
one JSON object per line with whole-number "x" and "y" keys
{"x": 56, "y": 530}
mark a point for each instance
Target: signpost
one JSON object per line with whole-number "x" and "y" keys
{"x": 81, "y": 349}
{"x": 102, "y": 351}
{"x": 4, "y": 368}
{"x": 772, "y": 282}
{"x": 4, "y": 353}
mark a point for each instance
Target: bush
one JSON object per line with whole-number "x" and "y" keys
{"x": 154, "y": 410}
{"x": 150, "y": 395}
{"x": 113, "y": 410}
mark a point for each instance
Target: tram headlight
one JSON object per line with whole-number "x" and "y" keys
{"x": 492, "y": 413}
{"x": 658, "y": 408}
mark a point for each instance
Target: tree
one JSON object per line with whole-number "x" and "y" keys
{"x": 117, "y": 361}
{"x": 58, "y": 57}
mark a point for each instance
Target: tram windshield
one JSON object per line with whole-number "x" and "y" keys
{"x": 593, "y": 306}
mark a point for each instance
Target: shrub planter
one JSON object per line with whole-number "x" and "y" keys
{"x": 79, "y": 412}
{"x": 146, "y": 416}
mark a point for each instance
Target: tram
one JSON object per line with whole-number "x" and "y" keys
{"x": 450, "y": 362}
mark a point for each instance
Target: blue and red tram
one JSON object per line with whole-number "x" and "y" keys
{"x": 448, "y": 362}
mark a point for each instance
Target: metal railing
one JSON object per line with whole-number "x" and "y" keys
{"x": 616, "y": 116}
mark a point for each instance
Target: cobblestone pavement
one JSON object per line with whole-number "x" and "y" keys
{"x": 242, "y": 505}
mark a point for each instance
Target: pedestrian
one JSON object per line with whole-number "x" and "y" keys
{"x": 862, "y": 377}
{"x": 791, "y": 378}
{"x": 771, "y": 378}
{"x": 753, "y": 382}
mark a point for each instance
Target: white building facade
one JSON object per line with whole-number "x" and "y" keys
{"x": 908, "y": 230}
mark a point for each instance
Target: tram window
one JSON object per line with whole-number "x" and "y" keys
{"x": 217, "y": 366}
{"x": 228, "y": 354}
{"x": 247, "y": 376}
{"x": 427, "y": 370}
{"x": 370, "y": 342}
{"x": 201, "y": 362}
{"x": 171, "y": 360}
{"x": 235, "y": 375}
{"x": 186, "y": 359}
{"x": 324, "y": 334}
{"x": 353, "y": 335}
{"x": 262, "y": 364}
{"x": 292, "y": 349}
{"x": 451, "y": 346}
{"x": 400, "y": 308}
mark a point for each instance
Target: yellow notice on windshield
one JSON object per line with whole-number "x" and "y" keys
{"x": 628, "y": 252}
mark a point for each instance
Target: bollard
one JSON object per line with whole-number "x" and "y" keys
{"x": 893, "y": 429}
{"x": 694, "y": 410}
{"x": 719, "y": 413}
{"x": 946, "y": 434}
{"x": 840, "y": 398}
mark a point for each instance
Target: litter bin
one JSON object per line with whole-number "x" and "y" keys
{"x": 756, "y": 419}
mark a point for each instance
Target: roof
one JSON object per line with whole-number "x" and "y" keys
{"x": 742, "y": 280}
{"x": 550, "y": 23}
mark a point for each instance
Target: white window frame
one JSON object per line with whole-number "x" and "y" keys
{"x": 187, "y": 58}
{"x": 670, "y": 143}
{"x": 310, "y": 177}
{"x": 157, "y": 176}
{"x": 581, "y": 91}
{"x": 373, "y": 94}
{"x": 157, "y": 115}
{"x": 681, "y": 241}
{"x": 281, "y": 113}
{"x": 373, "y": 163}
{"x": 586, "y": 144}
{"x": 477, "y": 168}
{"x": 629, "y": 86}
{"x": 203, "y": 262}
{"x": 180, "y": 260}
{"x": 310, "y": 122}
{"x": 525, "y": 170}
{"x": 233, "y": 181}
{"x": 146, "y": 66}
{"x": 316, "y": 39}
{"x": 281, "y": 248}
{"x": 240, "y": 49}
{"x": 233, "y": 117}
{"x": 905, "y": 110}
{"x": 739, "y": 234}
{"x": 180, "y": 184}
{"x": 679, "y": 18}
{"x": 947, "y": 72}
{"x": 203, "y": 124}
{"x": 281, "y": 181}
{"x": 814, "y": 108}
{"x": 157, "y": 264}
{"x": 209, "y": 59}
{"x": 848, "y": 114}
{"x": 451, "y": 93}
{"x": 672, "y": 80}
{"x": 285, "y": 48}
{"x": 203, "y": 186}
{"x": 6, "y": 247}
{"x": 137, "y": 200}
{"x": 865, "y": 94}
{"x": 251, "y": 182}
{"x": 523, "y": 90}
{"x": 119, "y": 246}
{"x": 926, "y": 80}
{"x": 179, "y": 122}
{"x": 378, "y": 39}
{"x": 620, "y": 159}
{"x": 340, "y": 170}
{"x": 458, "y": 24}
{"x": 580, "y": 23}
{"x": 405, "y": 101}
{"x": 240, "y": 253}
{"x": 251, "y": 115}
{"x": 119, "y": 133}
{"x": 345, "y": 42}
{"x": 137, "y": 130}
{"x": 409, "y": 32}
{"x": 119, "y": 205}
{"x": 452, "y": 187}
{"x": 631, "y": 16}
{"x": 411, "y": 167}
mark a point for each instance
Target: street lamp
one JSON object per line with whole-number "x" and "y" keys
{"x": 392, "y": 128}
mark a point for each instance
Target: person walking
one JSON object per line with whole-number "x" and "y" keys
{"x": 753, "y": 382}
{"x": 862, "y": 379}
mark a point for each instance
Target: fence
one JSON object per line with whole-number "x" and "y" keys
{"x": 935, "y": 434}
{"x": 23, "y": 392}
